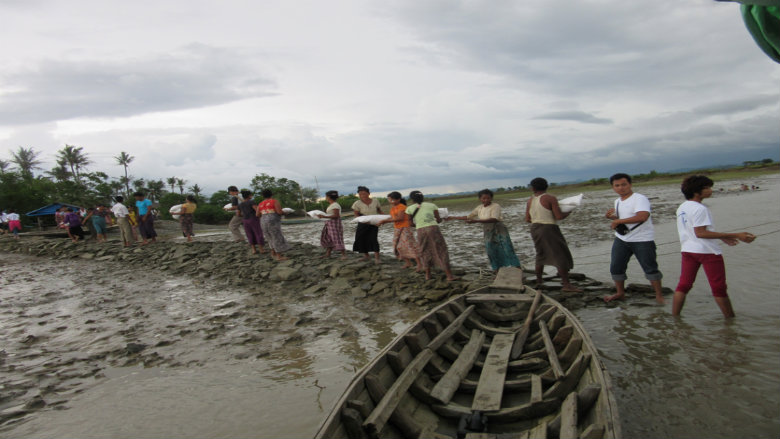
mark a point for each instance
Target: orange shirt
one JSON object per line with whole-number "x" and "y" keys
{"x": 394, "y": 212}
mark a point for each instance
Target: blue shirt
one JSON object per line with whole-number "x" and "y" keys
{"x": 143, "y": 206}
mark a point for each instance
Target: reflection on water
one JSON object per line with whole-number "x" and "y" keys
{"x": 678, "y": 379}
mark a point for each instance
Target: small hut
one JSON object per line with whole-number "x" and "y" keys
{"x": 51, "y": 209}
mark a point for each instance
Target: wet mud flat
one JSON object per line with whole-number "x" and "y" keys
{"x": 72, "y": 313}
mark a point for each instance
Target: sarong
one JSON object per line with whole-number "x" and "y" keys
{"x": 15, "y": 226}
{"x": 366, "y": 238}
{"x": 271, "y": 224}
{"x": 254, "y": 233}
{"x": 125, "y": 230}
{"x": 551, "y": 247}
{"x": 77, "y": 231}
{"x": 498, "y": 245}
{"x": 333, "y": 235}
{"x": 186, "y": 224}
{"x": 404, "y": 244}
{"x": 146, "y": 227}
{"x": 433, "y": 248}
{"x": 99, "y": 223}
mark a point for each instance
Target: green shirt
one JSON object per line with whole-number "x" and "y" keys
{"x": 425, "y": 217}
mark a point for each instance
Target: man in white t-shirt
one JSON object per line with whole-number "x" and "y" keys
{"x": 121, "y": 213}
{"x": 699, "y": 245}
{"x": 634, "y": 235}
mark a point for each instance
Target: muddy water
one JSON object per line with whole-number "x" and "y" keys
{"x": 221, "y": 363}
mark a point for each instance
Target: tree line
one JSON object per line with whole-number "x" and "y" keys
{"x": 25, "y": 186}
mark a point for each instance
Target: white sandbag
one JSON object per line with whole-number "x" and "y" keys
{"x": 314, "y": 213}
{"x": 443, "y": 212}
{"x": 370, "y": 219}
{"x": 570, "y": 203}
{"x": 176, "y": 208}
{"x": 227, "y": 206}
{"x": 287, "y": 210}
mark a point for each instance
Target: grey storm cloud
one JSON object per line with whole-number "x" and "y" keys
{"x": 576, "y": 116}
{"x": 192, "y": 77}
{"x": 737, "y": 105}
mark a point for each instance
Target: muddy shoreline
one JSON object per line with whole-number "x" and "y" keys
{"x": 92, "y": 307}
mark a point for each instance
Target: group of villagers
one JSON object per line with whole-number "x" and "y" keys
{"x": 133, "y": 222}
{"x": 417, "y": 239}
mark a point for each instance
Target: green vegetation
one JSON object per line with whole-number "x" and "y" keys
{"x": 24, "y": 188}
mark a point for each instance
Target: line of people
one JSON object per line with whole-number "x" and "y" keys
{"x": 419, "y": 243}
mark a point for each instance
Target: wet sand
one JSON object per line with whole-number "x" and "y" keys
{"x": 197, "y": 342}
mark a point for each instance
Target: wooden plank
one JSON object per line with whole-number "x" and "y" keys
{"x": 508, "y": 277}
{"x": 448, "y": 332}
{"x": 569, "y": 382}
{"x": 517, "y": 347}
{"x": 569, "y": 417}
{"x": 501, "y": 298}
{"x": 491, "y": 382}
{"x": 594, "y": 431}
{"x": 473, "y": 323}
{"x": 448, "y": 385}
{"x": 563, "y": 336}
{"x": 353, "y": 424}
{"x": 399, "y": 360}
{"x": 387, "y": 405}
{"x": 552, "y": 356}
{"x": 539, "y": 432}
{"x": 536, "y": 388}
{"x": 360, "y": 406}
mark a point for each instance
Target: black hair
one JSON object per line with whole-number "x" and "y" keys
{"x": 267, "y": 193}
{"x": 620, "y": 176}
{"x": 191, "y": 198}
{"x": 363, "y": 188}
{"x": 397, "y": 196}
{"x": 333, "y": 195}
{"x": 485, "y": 192}
{"x": 119, "y": 199}
{"x": 139, "y": 194}
{"x": 539, "y": 184}
{"x": 694, "y": 185}
{"x": 69, "y": 209}
{"x": 232, "y": 189}
{"x": 246, "y": 194}
{"x": 416, "y": 196}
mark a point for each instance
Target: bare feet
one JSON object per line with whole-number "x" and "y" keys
{"x": 618, "y": 296}
{"x": 450, "y": 279}
{"x": 660, "y": 300}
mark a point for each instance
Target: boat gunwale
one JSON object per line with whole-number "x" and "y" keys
{"x": 612, "y": 428}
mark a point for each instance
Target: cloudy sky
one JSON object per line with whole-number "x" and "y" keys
{"x": 440, "y": 95}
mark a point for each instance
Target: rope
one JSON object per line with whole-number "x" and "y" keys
{"x": 675, "y": 242}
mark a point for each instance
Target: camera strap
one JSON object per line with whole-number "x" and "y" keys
{"x": 630, "y": 229}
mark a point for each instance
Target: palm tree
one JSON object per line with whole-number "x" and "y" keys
{"x": 116, "y": 186}
{"x": 195, "y": 189}
{"x": 139, "y": 185}
{"x": 60, "y": 172}
{"x": 75, "y": 159}
{"x": 124, "y": 159}
{"x": 181, "y": 182}
{"x": 4, "y": 164}
{"x": 26, "y": 160}
{"x": 156, "y": 188}
{"x": 172, "y": 183}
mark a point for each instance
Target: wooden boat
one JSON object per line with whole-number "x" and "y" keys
{"x": 503, "y": 361}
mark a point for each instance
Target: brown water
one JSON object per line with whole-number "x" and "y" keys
{"x": 260, "y": 375}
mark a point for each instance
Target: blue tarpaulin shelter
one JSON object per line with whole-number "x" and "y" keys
{"x": 51, "y": 209}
